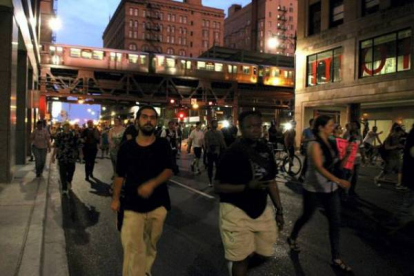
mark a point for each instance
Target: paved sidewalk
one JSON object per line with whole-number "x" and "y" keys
{"x": 31, "y": 236}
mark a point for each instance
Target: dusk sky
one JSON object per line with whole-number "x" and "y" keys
{"x": 83, "y": 21}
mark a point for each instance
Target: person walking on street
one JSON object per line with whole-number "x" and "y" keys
{"x": 405, "y": 212}
{"x": 171, "y": 135}
{"x": 230, "y": 133}
{"x": 90, "y": 137}
{"x": 289, "y": 142}
{"x": 393, "y": 160}
{"x": 245, "y": 177}
{"x": 40, "y": 140}
{"x": 369, "y": 142}
{"x": 322, "y": 185}
{"x": 215, "y": 146}
{"x": 104, "y": 142}
{"x": 196, "y": 140}
{"x": 115, "y": 137}
{"x": 144, "y": 164}
{"x": 307, "y": 137}
{"x": 66, "y": 150}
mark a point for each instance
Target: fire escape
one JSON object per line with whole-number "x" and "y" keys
{"x": 282, "y": 28}
{"x": 152, "y": 28}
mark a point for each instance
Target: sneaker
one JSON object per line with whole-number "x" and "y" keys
{"x": 210, "y": 184}
{"x": 401, "y": 187}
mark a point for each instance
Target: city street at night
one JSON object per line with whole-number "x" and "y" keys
{"x": 191, "y": 243}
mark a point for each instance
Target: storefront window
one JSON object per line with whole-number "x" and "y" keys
{"x": 386, "y": 54}
{"x": 325, "y": 67}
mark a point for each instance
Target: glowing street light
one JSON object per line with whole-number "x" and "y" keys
{"x": 55, "y": 24}
{"x": 273, "y": 42}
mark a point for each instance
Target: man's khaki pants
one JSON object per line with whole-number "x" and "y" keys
{"x": 140, "y": 234}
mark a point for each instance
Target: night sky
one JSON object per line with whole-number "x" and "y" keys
{"x": 83, "y": 21}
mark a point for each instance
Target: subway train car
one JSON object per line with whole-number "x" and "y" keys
{"x": 98, "y": 58}
{"x": 123, "y": 60}
{"x": 204, "y": 68}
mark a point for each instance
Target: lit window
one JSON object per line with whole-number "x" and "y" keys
{"x": 143, "y": 59}
{"x": 75, "y": 52}
{"x": 87, "y": 54}
{"x": 188, "y": 64}
{"x": 210, "y": 66}
{"x": 201, "y": 65}
{"x": 325, "y": 67}
{"x": 59, "y": 49}
{"x": 98, "y": 55}
{"x": 246, "y": 70}
{"x": 218, "y": 67}
{"x": 386, "y": 54}
{"x": 133, "y": 58}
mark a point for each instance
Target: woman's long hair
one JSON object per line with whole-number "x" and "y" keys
{"x": 322, "y": 121}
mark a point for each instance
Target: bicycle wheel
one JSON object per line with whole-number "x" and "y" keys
{"x": 295, "y": 167}
{"x": 280, "y": 157}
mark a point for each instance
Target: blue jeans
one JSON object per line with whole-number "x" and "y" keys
{"x": 40, "y": 158}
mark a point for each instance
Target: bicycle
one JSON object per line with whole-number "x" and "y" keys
{"x": 283, "y": 160}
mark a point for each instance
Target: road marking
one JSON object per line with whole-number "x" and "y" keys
{"x": 192, "y": 189}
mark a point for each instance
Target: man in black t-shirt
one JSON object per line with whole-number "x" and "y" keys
{"x": 245, "y": 177}
{"x": 144, "y": 163}
{"x": 230, "y": 133}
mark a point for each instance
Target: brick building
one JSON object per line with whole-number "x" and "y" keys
{"x": 274, "y": 18}
{"x": 181, "y": 28}
{"x": 354, "y": 61}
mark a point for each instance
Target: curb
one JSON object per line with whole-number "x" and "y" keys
{"x": 44, "y": 250}
{"x": 31, "y": 258}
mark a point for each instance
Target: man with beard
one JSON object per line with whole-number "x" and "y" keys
{"x": 144, "y": 163}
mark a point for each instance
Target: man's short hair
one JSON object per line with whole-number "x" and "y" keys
{"x": 142, "y": 108}
{"x": 245, "y": 114}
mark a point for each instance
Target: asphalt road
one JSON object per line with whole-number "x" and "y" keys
{"x": 191, "y": 244}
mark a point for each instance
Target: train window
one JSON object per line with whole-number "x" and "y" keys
{"x": 56, "y": 60}
{"x": 52, "y": 48}
{"x": 133, "y": 58}
{"x": 246, "y": 70}
{"x": 113, "y": 56}
{"x": 254, "y": 71}
{"x": 229, "y": 68}
{"x": 218, "y": 67}
{"x": 210, "y": 66}
{"x": 98, "y": 55}
{"x": 59, "y": 49}
{"x": 289, "y": 74}
{"x": 188, "y": 64}
{"x": 75, "y": 52}
{"x": 201, "y": 65}
{"x": 87, "y": 54}
{"x": 170, "y": 62}
{"x": 182, "y": 64}
{"x": 143, "y": 59}
{"x": 160, "y": 60}
{"x": 276, "y": 73}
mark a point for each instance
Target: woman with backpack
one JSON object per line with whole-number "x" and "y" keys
{"x": 322, "y": 186}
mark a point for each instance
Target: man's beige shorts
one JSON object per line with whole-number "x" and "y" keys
{"x": 243, "y": 235}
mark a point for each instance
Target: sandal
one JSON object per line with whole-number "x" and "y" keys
{"x": 293, "y": 245}
{"x": 339, "y": 264}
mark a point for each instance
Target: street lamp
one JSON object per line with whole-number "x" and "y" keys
{"x": 273, "y": 42}
{"x": 55, "y": 24}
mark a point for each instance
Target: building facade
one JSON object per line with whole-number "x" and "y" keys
{"x": 164, "y": 26}
{"x": 251, "y": 27}
{"x": 20, "y": 28}
{"x": 354, "y": 62}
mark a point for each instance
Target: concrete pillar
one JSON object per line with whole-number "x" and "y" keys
{"x": 354, "y": 112}
{"x": 8, "y": 76}
{"x": 21, "y": 103}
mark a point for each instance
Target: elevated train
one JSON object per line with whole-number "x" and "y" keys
{"x": 123, "y": 60}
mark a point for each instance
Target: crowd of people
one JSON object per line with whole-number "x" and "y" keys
{"x": 144, "y": 158}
